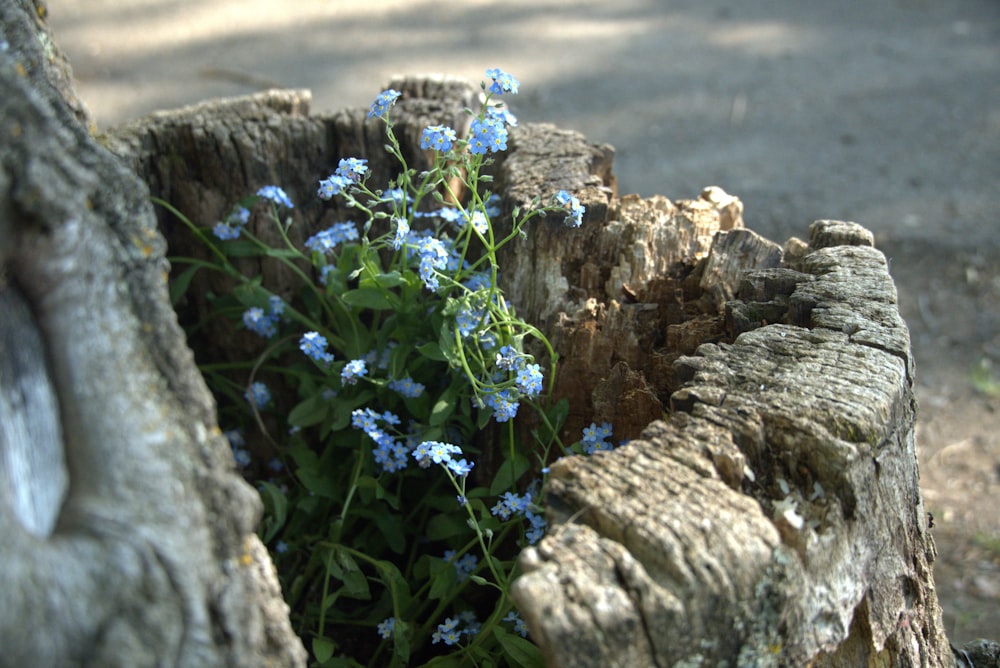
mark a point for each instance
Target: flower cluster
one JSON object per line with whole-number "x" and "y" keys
{"x": 314, "y": 344}
{"x": 326, "y": 241}
{"x": 258, "y": 395}
{"x": 595, "y": 439}
{"x": 349, "y": 172}
{"x": 381, "y": 105}
{"x": 464, "y": 565}
{"x": 234, "y": 223}
{"x": 389, "y": 452}
{"x": 276, "y": 195}
{"x": 487, "y": 134}
{"x": 265, "y": 323}
{"x": 437, "y": 137}
{"x": 502, "y": 81}
{"x": 436, "y": 452}
{"x": 519, "y": 625}
{"x": 574, "y": 217}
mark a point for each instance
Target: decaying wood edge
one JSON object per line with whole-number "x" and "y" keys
{"x": 774, "y": 518}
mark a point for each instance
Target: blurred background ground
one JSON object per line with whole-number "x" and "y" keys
{"x": 884, "y": 112}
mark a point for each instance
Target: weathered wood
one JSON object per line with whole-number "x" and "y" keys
{"x": 148, "y": 556}
{"x": 774, "y": 517}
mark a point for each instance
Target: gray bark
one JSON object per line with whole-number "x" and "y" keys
{"x": 128, "y": 535}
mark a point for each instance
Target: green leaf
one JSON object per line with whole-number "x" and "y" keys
{"x": 354, "y": 579}
{"x": 387, "y": 280}
{"x": 283, "y": 253}
{"x": 443, "y": 408}
{"x": 445, "y": 526}
{"x": 371, "y": 298}
{"x": 323, "y": 649}
{"x": 520, "y": 651}
{"x": 431, "y": 351}
{"x": 443, "y": 578}
{"x": 276, "y": 504}
{"x": 309, "y": 412}
{"x": 509, "y": 473}
{"x": 243, "y": 248}
{"x": 391, "y": 528}
{"x": 180, "y": 284}
{"x": 401, "y": 641}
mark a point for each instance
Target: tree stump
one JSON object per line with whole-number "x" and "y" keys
{"x": 128, "y": 534}
{"x": 767, "y": 510}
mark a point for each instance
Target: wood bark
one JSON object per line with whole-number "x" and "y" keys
{"x": 774, "y": 516}
{"x": 767, "y": 511}
{"x": 128, "y": 534}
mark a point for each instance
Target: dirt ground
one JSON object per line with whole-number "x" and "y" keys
{"x": 884, "y": 112}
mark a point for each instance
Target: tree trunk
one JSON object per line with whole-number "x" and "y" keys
{"x": 772, "y": 516}
{"x": 128, "y": 535}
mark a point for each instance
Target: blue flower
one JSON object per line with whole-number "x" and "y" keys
{"x": 460, "y": 467}
{"x": 480, "y": 223}
{"x": 259, "y": 322}
{"x": 402, "y": 230}
{"x": 511, "y": 504}
{"x": 226, "y": 232}
{"x": 519, "y": 625}
{"x": 314, "y": 344}
{"x": 276, "y": 195}
{"x": 537, "y": 530}
{"x": 595, "y": 438}
{"x": 503, "y": 403}
{"x": 258, "y": 395}
{"x": 389, "y": 453}
{"x": 332, "y": 185}
{"x": 406, "y": 387}
{"x": 575, "y": 210}
{"x": 450, "y": 214}
{"x": 386, "y": 627}
{"x": 436, "y": 452}
{"x": 472, "y": 625}
{"x": 493, "y": 209}
{"x": 325, "y": 271}
{"x": 502, "y": 82}
{"x": 327, "y": 240}
{"x": 235, "y": 437}
{"x": 502, "y": 115}
{"x": 231, "y": 227}
{"x": 487, "y": 134}
{"x": 281, "y": 547}
{"x": 433, "y": 257}
{"x": 468, "y": 320}
{"x": 382, "y": 103}
{"x": 464, "y": 565}
{"x": 437, "y": 137}
{"x": 396, "y": 196}
{"x": 365, "y": 419}
{"x": 509, "y": 359}
{"x": 529, "y": 380}
{"x": 352, "y": 371}
{"x": 242, "y": 457}
{"x": 352, "y": 169}
{"x": 276, "y": 465}
{"x": 447, "y": 632}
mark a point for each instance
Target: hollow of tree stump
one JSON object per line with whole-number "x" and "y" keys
{"x": 767, "y": 509}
